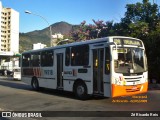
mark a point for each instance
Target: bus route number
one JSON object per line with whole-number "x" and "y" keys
{"x": 48, "y": 72}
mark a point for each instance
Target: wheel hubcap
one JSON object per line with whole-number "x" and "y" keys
{"x": 80, "y": 90}
{"x": 34, "y": 84}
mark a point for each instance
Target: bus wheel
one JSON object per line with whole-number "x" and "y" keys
{"x": 35, "y": 84}
{"x": 81, "y": 91}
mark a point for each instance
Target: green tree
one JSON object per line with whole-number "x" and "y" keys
{"x": 97, "y": 30}
{"x": 142, "y": 21}
{"x": 138, "y": 29}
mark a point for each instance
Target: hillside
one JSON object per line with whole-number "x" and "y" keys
{"x": 42, "y": 36}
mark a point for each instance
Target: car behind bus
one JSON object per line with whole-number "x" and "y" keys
{"x": 17, "y": 73}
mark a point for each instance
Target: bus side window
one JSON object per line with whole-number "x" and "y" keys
{"x": 35, "y": 59}
{"x": 80, "y": 55}
{"x": 67, "y": 59}
{"x": 26, "y": 60}
{"x": 107, "y": 60}
{"x": 47, "y": 58}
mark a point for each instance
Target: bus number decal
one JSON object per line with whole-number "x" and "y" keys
{"x": 48, "y": 72}
{"x": 68, "y": 72}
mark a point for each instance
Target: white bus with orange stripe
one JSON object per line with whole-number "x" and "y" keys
{"x": 110, "y": 66}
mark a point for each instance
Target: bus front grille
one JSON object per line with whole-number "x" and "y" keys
{"x": 133, "y": 79}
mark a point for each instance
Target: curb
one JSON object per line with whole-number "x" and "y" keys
{"x": 154, "y": 86}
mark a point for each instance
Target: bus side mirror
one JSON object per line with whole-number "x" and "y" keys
{"x": 115, "y": 55}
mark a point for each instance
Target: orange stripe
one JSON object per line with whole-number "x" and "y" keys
{"x": 34, "y": 72}
{"x": 37, "y": 72}
{"x": 118, "y": 90}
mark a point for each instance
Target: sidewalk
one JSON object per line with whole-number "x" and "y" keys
{"x": 153, "y": 86}
{"x": 6, "y": 77}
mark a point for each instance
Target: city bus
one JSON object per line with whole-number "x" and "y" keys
{"x": 110, "y": 66}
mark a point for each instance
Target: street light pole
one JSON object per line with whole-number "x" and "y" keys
{"x": 50, "y": 29}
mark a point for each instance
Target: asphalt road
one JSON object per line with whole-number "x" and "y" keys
{"x": 17, "y": 96}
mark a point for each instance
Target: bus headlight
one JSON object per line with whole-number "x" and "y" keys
{"x": 124, "y": 82}
{"x": 119, "y": 81}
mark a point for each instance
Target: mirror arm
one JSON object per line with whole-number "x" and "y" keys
{"x": 115, "y": 45}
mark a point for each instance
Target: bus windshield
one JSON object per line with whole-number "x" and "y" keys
{"x": 130, "y": 60}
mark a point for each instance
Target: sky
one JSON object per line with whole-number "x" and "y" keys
{"x": 71, "y": 11}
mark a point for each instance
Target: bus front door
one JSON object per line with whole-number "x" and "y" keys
{"x": 98, "y": 61}
{"x": 60, "y": 70}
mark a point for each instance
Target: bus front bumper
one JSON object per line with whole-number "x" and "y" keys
{"x": 120, "y": 90}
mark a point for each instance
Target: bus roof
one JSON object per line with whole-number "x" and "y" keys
{"x": 92, "y": 41}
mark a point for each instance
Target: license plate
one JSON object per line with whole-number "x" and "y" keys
{"x": 134, "y": 87}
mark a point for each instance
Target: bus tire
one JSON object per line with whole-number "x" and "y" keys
{"x": 35, "y": 84}
{"x": 80, "y": 90}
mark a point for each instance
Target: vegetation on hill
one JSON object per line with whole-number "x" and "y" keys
{"x": 43, "y": 36}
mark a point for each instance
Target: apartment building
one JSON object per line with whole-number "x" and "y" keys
{"x": 39, "y": 46}
{"x": 55, "y": 38}
{"x": 9, "y": 33}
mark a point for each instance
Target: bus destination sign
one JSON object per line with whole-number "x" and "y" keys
{"x": 123, "y": 41}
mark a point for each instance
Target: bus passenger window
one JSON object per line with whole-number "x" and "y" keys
{"x": 107, "y": 60}
{"x": 67, "y": 59}
{"x": 35, "y": 59}
{"x": 80, "y": 55}
{"x": 26, "y": 60}
{"x": 47, "y": 58}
